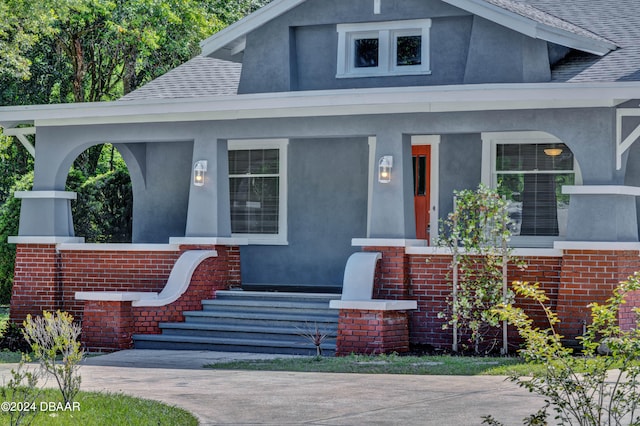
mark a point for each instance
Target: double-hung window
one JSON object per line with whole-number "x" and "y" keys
{"x": 383, "y": 48}
{"x": 529, "y": 169}
{"x": 257, "y": 188}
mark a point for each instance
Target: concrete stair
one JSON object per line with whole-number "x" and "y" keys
{"x": 250, "y": 321}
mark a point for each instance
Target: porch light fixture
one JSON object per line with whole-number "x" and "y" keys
{"x": 384, "y": 169}
{"x": 199, "y": 170}
{"x": 553, "y": 152}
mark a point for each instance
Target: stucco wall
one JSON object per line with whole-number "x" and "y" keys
{"x": 460, "y": 167}
{"x": 327, "y": 192}
{"x": 161, "y": 155}
{"x": 298, "y": 50}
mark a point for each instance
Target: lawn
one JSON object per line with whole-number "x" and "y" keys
{"x": 389, "y": 364}
{"x": 94, "y": 408}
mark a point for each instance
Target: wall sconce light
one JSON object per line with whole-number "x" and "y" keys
{"x": 199, "y": 170}
{"x": 384, "y": 169}
{"x": 553, "y": 152}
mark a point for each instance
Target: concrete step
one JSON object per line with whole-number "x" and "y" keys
{"x": 275, "y": 296}
{"x": 248, "y": 331}
{"x": 161, "y": 341}
{"x": 269, "y": 306}
{"x": 246, "y": 321}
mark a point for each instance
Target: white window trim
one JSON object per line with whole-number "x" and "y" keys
{"x": 281, "y": 144}
{"x": 489, "y": 142}
{"x": 386, "y": 32}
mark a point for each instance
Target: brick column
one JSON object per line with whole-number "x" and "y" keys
{"x": 107, "y": 325}
{"x": 589, "y": 276}
{"x": 35, "y": 282}
{"x": 372, "y": 332}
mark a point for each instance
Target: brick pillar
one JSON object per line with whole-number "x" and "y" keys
{"x": 589, "y": 276}
{"x": 372, "y": 332}
{"x": 392, "y": 276}
{"x": 107, "y": 325}
{"x": 36, "y": 281}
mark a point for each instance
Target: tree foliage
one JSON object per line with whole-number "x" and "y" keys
{"x": 56, "y": 51}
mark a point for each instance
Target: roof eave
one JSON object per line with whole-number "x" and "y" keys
{"x": 533, "y": 28}
{"x": 226, "y": 38}
{"x": 459, "y": 98}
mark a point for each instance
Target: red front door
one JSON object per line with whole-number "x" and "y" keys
{"x": 421, "y": 188}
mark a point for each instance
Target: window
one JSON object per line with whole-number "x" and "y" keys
{"x": 257, "y": 188}
{"x": 383, "y": 48}
{"x": 529, "y": 169}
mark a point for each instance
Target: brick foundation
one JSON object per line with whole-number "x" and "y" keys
{"x": 47, "y": 279}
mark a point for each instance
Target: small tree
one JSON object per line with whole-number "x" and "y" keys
{"x": 51, "y": 335}
{"x": 477, "y": 233}
{"x": 21, "y": 393}
{"x": 590, "y": 389}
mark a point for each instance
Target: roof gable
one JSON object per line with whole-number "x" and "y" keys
{"x": 516, "y": 15}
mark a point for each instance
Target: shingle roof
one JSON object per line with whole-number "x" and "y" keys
{"x": 539, "y": 15}
{"x": 617, "y": 21}
{"x": 199, "y": 77}
{"x": 613, "y": 21}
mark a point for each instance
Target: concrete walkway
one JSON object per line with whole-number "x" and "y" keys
{"x": 221, "y": 397}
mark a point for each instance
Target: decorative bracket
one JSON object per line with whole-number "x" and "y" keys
{"x": 21, "y": 133}
{"x": 623, "y": 145}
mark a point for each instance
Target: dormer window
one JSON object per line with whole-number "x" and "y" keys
{"x": 383, "y": 48}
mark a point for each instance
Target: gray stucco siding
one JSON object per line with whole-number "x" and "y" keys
{"x": 160, "y": 158}
{"x": 298, "y": 50}
{"x": 327, "y": 193}
{"x": 460, "y": 167}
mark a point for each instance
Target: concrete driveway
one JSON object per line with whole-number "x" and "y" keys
{"x": 221, "y": 397}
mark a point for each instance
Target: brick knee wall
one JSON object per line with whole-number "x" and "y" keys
{"x": 589, "y": 276}
{"x": 47, "y": 279}
{"x": 372, "y": 332}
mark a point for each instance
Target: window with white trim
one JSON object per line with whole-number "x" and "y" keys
{"x": 383, "y": 48}
{"x": 529, "y": 169}
{"x": 257, "y": 188}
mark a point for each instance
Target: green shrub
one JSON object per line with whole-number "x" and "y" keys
{"x": 56, "y": 334}
{"x": 599, "y": 386}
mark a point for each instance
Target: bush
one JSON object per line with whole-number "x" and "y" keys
{"x": 13, "y": 339}
{"x": 53, "y": 334}
{"x": 587, "y": 388}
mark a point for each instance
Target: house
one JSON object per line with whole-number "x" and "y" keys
{"x": 314, "y": 129}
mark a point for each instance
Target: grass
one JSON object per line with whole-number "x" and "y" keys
{"x": 390, "y": 364}
{"x": 97, "y": 408}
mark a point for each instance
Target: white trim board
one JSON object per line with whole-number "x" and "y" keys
{"x": 456, "y": 98}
